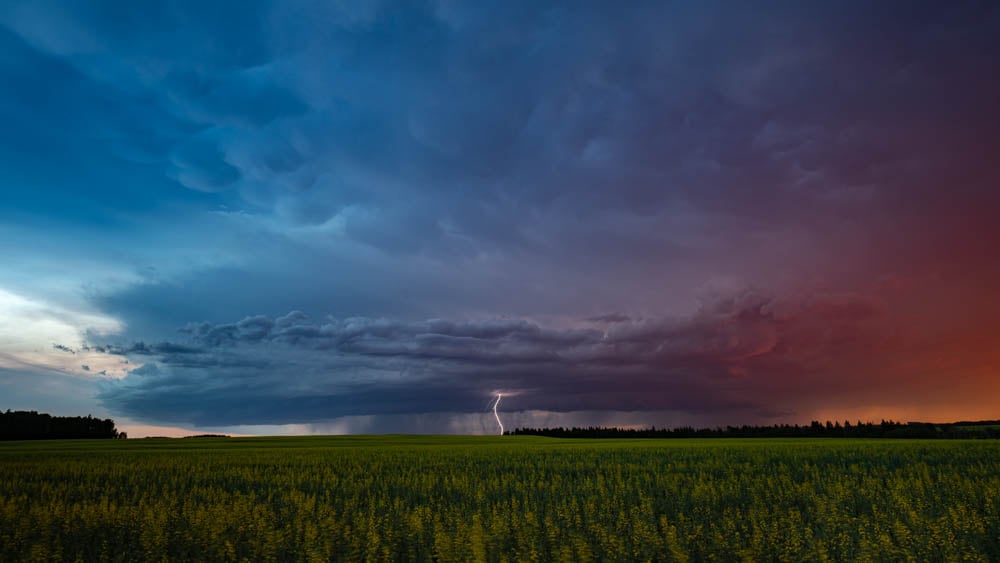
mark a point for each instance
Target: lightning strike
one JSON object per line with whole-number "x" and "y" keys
{"x": 496, "y": 414}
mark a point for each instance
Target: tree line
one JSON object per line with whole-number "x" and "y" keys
{"x": 815, "y": 429}
{"x": 31, "y": 425}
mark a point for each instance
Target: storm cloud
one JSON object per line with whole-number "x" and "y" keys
{"x": 701, "y": 208}
{"x": 732, "y": 354}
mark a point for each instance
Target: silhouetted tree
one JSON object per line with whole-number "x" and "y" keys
{"x": 31, "y": 425}
{"x": 816, "y": 429}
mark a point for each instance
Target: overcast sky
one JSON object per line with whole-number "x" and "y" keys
{"x": 279, "y": 217}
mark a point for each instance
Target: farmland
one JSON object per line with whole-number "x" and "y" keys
{"x": 499, "y": 498}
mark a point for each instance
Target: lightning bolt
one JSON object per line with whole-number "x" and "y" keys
{"x": 496, "y": 414}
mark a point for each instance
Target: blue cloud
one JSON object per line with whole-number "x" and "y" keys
{"x": 169, "y": 164}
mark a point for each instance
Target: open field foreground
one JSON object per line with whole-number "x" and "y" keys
{"x": 499, "y": 498}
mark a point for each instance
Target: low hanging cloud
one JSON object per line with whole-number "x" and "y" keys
{"x": 732, "y": 354}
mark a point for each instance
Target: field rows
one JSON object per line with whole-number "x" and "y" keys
{"x": 499, "y": 498}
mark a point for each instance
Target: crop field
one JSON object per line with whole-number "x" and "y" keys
{"x": 509, "y": 498}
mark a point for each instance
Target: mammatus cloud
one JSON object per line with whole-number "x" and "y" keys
{"x": 613, "y": 152}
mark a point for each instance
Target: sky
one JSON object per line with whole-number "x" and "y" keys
{"x": 343, "y": 217}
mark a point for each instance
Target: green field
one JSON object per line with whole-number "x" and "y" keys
{"x": 499, "y": 498}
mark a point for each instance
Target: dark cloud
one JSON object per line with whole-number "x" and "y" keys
{"x": 610, "y": 318}
{"x": 514, "y": 161}
{"x": 246, "y": 98}
{"x": 63, "y": 348}
{"x": 201, "y": 165}
{"x": 731, "y": 354}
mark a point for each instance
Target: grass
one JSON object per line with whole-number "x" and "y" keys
{"x": 499, "y": 498}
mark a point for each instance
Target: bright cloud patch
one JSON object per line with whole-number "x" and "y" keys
{"x": 41, "y": 336}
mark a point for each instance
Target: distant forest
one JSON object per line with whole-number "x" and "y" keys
{"x": 884, "y": 429}
{"x": 31, "y": 425}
